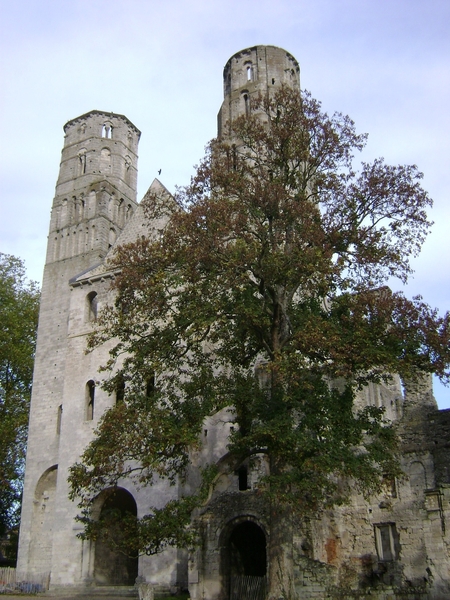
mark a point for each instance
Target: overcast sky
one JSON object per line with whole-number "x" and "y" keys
{"x": 386, "y": 63}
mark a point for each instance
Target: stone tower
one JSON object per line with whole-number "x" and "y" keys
{"x": 253, "y": 71}
{"x": 95, "y": 196}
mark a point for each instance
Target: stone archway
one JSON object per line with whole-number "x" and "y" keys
{"x": 41, "y": 544}
{"x": 111, "y": 566}
{"x": 244, "y": 561}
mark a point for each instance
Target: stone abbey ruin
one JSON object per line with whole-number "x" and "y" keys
{"x": 394, "y": 546}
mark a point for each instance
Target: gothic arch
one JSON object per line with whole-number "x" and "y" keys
{"x": 246, "y": 99}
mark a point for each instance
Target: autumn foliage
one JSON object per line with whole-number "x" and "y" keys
{"x": 266, "y": 294}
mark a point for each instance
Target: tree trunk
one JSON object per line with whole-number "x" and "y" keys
{"x": 280, "y": 553}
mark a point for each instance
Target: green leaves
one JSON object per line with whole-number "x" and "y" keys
{"x": 19, "y": 304}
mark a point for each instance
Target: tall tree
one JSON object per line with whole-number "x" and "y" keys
{"x": 19, "y": 304}
{"x": 266, "y": 293}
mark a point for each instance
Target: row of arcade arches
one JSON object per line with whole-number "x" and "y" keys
{"x": 243, "y": 542}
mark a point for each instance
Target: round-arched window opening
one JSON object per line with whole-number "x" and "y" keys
{"x": 91, "y": 307}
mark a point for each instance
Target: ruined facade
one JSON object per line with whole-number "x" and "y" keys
{"x": 395, "y": 546}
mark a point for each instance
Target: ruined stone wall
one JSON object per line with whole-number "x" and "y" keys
{"x": 341, "y": 553}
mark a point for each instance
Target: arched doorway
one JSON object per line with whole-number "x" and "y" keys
{"x": 112, "y": 565}
{"x": 245, "y": 562}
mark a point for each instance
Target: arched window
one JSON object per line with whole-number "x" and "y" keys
{"x": 150, "y": 386}
{"x": 90, "y": 399}
{"x": 246, "y": 98}
{"x": 82, "y": 161}
{"x": 249, "y": 73}
{"x": 107, "y": 130}
{"x": 82, "y": 207}
{"x": 91, "y": 307}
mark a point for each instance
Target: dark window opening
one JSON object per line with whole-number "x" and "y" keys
{"x": 90, "y": 399}
{"x": 243, "y": 478}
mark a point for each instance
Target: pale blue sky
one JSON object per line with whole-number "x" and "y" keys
{"x": 384, "y": 62}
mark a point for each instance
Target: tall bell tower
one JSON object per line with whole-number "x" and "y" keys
{"x": 95, "y": 197}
